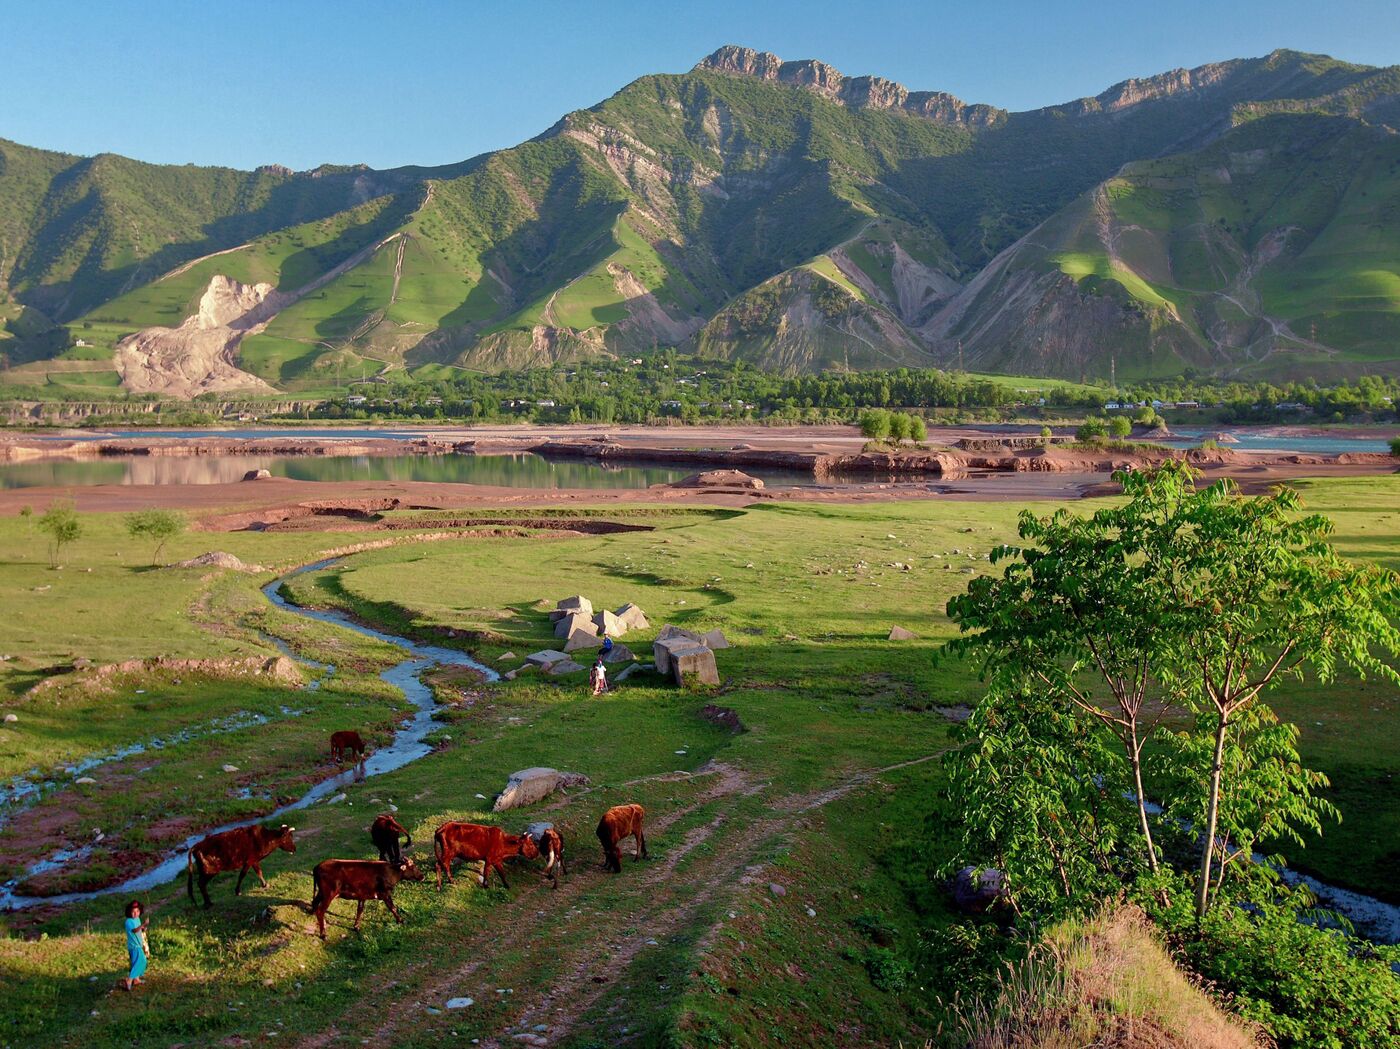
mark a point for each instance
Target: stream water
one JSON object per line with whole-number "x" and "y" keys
{"x": 407, "y": 746}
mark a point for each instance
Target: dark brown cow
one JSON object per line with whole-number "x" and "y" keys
{"x": 358, "y": 880}
{"x": 551, "y": 846}
{"x": 618, "y": 823}
{"x": 471, "y": 842}
{"x": 384, "y": 832}
{"x": 347, "y": 744}
{"x": 238, "y": 849}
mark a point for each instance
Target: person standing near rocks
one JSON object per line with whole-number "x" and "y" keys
{"x": 138, "y": 948}
{"x": 599, "y": 677}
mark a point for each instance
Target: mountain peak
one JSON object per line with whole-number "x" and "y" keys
{"x": 862, "y": 92}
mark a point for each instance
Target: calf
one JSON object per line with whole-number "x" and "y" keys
{"x": 358, "y": 880}
{"x": 238, "y": 849}
{"x": 551, "y": 846}
{"x": 347, "y": 744}
{"x": 384, "y": 833}
{"x": 619, "y": 822}
{"x": 471, "y": 842}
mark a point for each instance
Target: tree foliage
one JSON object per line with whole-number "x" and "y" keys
{"x": 160, "y": 526}
{"x": 60, "y": 522}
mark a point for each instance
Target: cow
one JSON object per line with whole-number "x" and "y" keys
{"x": 347, "y": 744}
{"x": 551, "y": 846}
{"x": 238, "y": 849}
{"x": 619, "y": 822}
{"x": 358, "y": 880}
{"x": 471, "y": 842}
{"x": 384, "y": 833}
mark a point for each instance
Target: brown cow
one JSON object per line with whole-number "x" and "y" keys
{"x": 358, "y": 880}
{"x": 347, "y": 744}
{"x": 241, "y": 848}
{"x": 471, "y": 842}
{"x": 551, "y": 847}
{"x": 619, "y": 822}
{"x": 384, "y": 833}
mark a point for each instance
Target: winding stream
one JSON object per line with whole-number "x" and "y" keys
{"x": 407, "y": 746}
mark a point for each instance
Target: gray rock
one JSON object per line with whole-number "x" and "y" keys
{"x": 582, "y": 639}
{"x": 546, "y": 658}
{"x": 506, "y": 655}
{"x": 566, "y": 667}
{"x": 776, "y": 889}
{"x": 577, "y": 604}
{"x": 715, "y": 639}
{"x": 605, "y": 622}
{"x": 10, "y": 719}
{"x": 531, "y": 785}
{"x": 459, "y": 1003}
{"x": 85, "y": 779}
{"x": 619, "y": 654}
{"x": 257, "y": 475}
{"x": 694, "y": 665}
{"x": 975, "y": 894}
{"x": 633, "y": 617}
{"x": 898, "y": 633}
{"x": 572, "y": 622}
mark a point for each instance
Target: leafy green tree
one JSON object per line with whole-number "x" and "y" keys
{"x": 1395, "y": 446}
{"x": 60, "y": 522}
{"x": 1045, "y": 434}
{"x": 158, "y": 525}
{"x": 918, "y": 429}
{"x": 875, "y": 424}
{"x": 1091, "y": 429}
{"x": 899, "y": 427}
{"x": 1120, "y": 426}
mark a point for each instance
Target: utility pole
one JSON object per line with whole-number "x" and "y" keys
{"x": 960, "y": 357}
{"x": 1113, "y": 372}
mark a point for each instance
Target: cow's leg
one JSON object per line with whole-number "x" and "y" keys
{"x": 238, "y": 886}
{"x": 320, "y": 917}
{"x": 500, "y": 872}
{"x": 257, "y": 869}
{"x": 641, "y": 844}
{"x": 359, "y": 912}
{"x": 388, "y": 898}
{"x": 204, "y": 880}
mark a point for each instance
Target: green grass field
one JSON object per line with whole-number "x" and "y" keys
{"x": 691, "y": 947}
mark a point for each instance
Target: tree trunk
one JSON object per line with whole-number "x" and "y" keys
{"x": 1135, "y": 759}
{"x": 1212, "y": 812}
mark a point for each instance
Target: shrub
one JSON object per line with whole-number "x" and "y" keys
{"x": 1119, "y": 426}
{"x": 875, "y": 424}
{"x": 1091, "y": 429}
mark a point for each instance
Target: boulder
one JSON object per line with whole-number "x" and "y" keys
{"x": 582, "y": 639}
{"x": 572, "y": 622}
{"x": 531, "y": 785}
{"x": 974, "y": 892}
{"x": 577, "y": 603}
{"x": 536, "y": 830}
{"x": 662, "y": 648}
{"x": 694, "y": 665}
{"x": 668, "y": 632}
{"x": 619, "y": 654}
{"x": 632, "y": 617}
{"x": 566, "y": 667}
{"x": 219, "y": 559}
{"x": 714, "y": 639}
{"x": 606, "y": 622}
{"x": 546, "y": 658}
{"x": 257, "y": 475}
{"x": 721, "y": 479}
{"x": 627, "y": 672}
{"x": 504, "y": 656}
{"x": 898, "y": 633}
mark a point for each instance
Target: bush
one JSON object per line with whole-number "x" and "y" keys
{"x": 875, "y": 424}
{"x": 886, "y": 969}
{"x": 1119, "y": 426}
{"x": 1395, "y": 446}
{"x": 918, "y": 431}
{"x": 1091, "y": 429}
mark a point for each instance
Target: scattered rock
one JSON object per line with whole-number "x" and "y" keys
{"x": 776, "y": 889}
{"x": 460, "y": 1003}
{"x": 85, "y": 779}
{"x": 898, "y": 633}
{"x": 582, "y": 639}
{"x": 336, "y": 800}
{"x": 694, "y": 665}
{"x": 578, "y": 604}
{"x": 619, "y": 654}
{"x": 811, "y": 913}
{"x": 715, "y": 639}
{"x": 627, "y": 672}
{"x": 10, "y": 719}
{"x": 721, "y": 479}
{"x": 632, "y": 617}
{"x": 531, "y": 785}
{"x": 724, "y": 717}
{"x": 230, "y": 768}
{"x": 547, "y": 658}
{"x": 82, "y": 663}
{"x": 566, "y": 667}
{"x": 507, "y": 655}
{"x": 974, "y": 892}
{"x": 219, "y": 559}
{"x": 606, "y": 622}
{"x": 257, "y": 475}
{"x": 574, "y": 621}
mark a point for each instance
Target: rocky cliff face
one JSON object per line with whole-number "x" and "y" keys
{"x": 862, "y": 92}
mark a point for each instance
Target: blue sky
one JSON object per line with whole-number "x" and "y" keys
{"x": 301, "y": 82}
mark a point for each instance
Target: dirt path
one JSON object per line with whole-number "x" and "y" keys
{"x": 593, "y": 951}
{"x": 398, "y": 269}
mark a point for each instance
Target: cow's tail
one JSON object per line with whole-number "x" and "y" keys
{"x": 189, "y": 875}
{"x": 315, "y": 889}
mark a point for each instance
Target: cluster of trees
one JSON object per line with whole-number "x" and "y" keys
{"x": 880, "y": 424}
{"x": 1126, "y": 740}
{"x": 1096, "y": 428}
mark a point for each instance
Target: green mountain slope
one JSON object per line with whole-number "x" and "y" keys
{"x": 1236, "y": 217}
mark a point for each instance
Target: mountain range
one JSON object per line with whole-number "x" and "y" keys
{"x": 1237, "y": 219}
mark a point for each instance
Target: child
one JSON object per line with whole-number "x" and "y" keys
{"x": 600, "y": 678}
{"x": 137, "y": 947}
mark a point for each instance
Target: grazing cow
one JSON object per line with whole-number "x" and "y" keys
{"x": 238, "y": 849}
{"x": 551, "y": 846}
{"x": 619, "y": 822}
{"x": 384, "y": 833}
{"x": 347, "y": 744}
{"x": 470, "y": 842}
{"x": 358, "y": 880}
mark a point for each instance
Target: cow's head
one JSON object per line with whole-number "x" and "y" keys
{"x": 284, "y": 839}
{"x": 528, "y": 848}
{"x": 408, "y": 870}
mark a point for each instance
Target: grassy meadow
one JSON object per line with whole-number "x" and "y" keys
{"x": 778, "y": 905}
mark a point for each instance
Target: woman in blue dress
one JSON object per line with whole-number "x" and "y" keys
{"x": 136, "y": 944}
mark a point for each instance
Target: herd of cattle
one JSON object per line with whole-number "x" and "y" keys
{"x": 244, "y": 848}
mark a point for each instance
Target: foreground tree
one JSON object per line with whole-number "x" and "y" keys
{"x": 60, "y": 522}
{"x": 1175, "y": 597}
{"x": 160, "y": 526}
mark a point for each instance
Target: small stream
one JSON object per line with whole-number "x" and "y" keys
{"x": 407, "y": 746}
